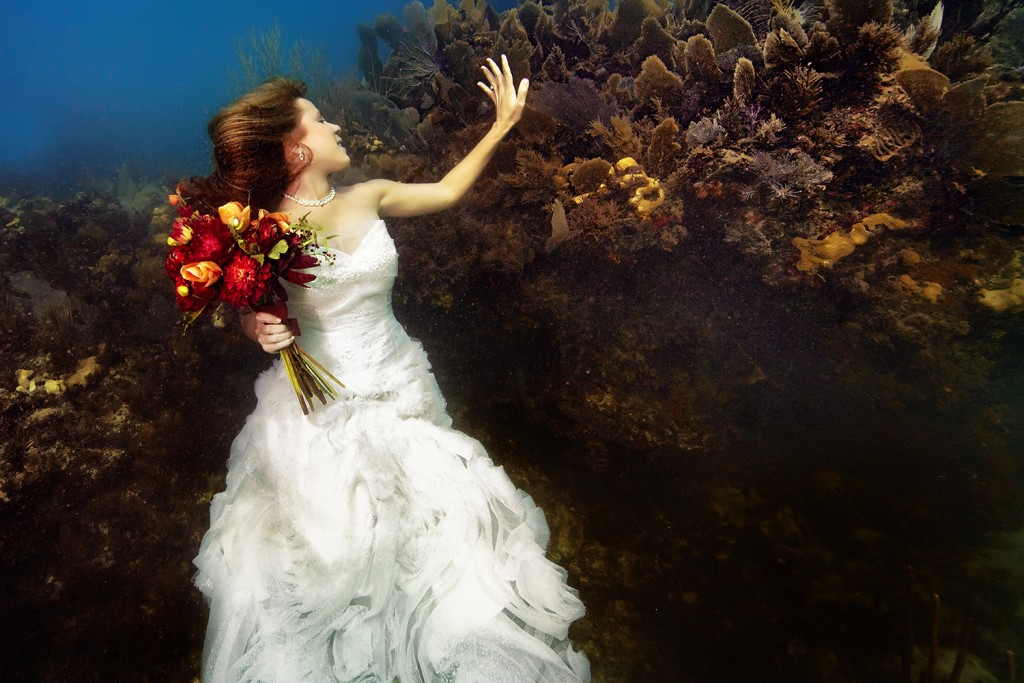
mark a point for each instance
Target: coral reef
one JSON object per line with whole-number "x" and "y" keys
{"x": 756, "y": 265}
{"x": 840, "y": 176}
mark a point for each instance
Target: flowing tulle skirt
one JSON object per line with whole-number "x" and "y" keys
{"x": 363, "y": 543}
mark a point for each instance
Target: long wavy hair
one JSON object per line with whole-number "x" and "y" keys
{"x": 249, "y": 164}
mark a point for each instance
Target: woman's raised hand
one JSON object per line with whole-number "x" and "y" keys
{"x": 508, "y": 101}
{"x": 267, "y": 330}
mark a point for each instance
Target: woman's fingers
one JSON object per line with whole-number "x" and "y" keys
{"x": 507, "y": 70}
{"x": 272, "y": 334}
{"x": 524, "y": 87}
{"x": 502, "y": 83}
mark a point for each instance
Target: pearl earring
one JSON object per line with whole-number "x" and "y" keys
{"x": 302, "y": 155}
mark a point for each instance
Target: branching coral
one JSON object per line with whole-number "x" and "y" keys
{"x": 514, "y": 43}
{"x": 621, "y": 137}
{"x": 789, "y": 173}
{"x": 534, "y": 179}
{"x": 961, "y": 56}
{"x": 704, "y": 132}
{"x": 801, "y": 90}
{"x": 922, "y": 38}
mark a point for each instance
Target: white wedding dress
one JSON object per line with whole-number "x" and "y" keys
{"x": 370, "y": 541}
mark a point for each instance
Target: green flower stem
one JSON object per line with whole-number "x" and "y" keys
{"x": 309, "y": 378}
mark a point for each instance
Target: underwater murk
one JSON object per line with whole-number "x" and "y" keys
{"x": 740, "y": 302}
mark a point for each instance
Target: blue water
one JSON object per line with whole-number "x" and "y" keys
{"x": 90, "y": 86}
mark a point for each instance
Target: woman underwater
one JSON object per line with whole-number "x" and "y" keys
{"x": 367, "y": 541}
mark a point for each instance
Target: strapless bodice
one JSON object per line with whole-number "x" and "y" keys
{"x": 348, "y": 325}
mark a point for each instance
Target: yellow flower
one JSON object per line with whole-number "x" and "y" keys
{"x": 203, "y": 273}
{"x": 234, "y": 215}
{"x": 180, "y": 234}
{"x": 183, "y": 290}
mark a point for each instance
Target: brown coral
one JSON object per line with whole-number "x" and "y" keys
{"x": 925, "y": 87}
{"x": 743, "y": 81}
{"x": 629, "y": 17}
{"x": 663, "y": 148}
{"x": 656, "y": 81}
{"x": 728, "y": 29}
{"x": 961, "y": 56}
{"x": 846, "y": 17}
{"x": 781, "y": 49}
{"x": 699, "y": 58}
{"x": 655, "y": 40}
{"x": 999, "y": 148}
{"x": 589, "y": 175}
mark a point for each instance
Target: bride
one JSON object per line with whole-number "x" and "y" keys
{"x": 367, "y": 541}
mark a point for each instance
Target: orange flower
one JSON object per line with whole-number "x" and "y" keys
{"x": 203, "y": 273}
{"x": 234, "y": 215}
{"x": 173, "y": 199}
{"x": 279, "y": 217}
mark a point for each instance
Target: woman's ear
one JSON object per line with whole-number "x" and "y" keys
{"x": 296, "y": 154}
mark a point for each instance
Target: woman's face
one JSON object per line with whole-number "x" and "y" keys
{"x": 320, "y": 137}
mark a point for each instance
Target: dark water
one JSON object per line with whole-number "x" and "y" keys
{"x": 752, "y": 472}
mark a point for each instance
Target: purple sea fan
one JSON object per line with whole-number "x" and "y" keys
{"x": 575, "y": 104}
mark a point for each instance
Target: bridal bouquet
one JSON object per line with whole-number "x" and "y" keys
{"x": 231, "y": 258}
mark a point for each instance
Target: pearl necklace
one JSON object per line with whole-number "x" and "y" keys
{"x": 312, "y": 202}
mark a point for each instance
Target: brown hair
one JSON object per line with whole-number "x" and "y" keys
{"x": 248, "y": 154}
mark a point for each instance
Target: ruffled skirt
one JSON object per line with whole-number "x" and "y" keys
{"x": 364, "y": 544}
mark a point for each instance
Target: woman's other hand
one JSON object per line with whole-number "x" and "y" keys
{"x": 267, "y": 330}
{"x": 508, "y": 101}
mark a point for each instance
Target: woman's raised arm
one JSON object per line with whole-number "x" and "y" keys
{"x": 416, "y": 199}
